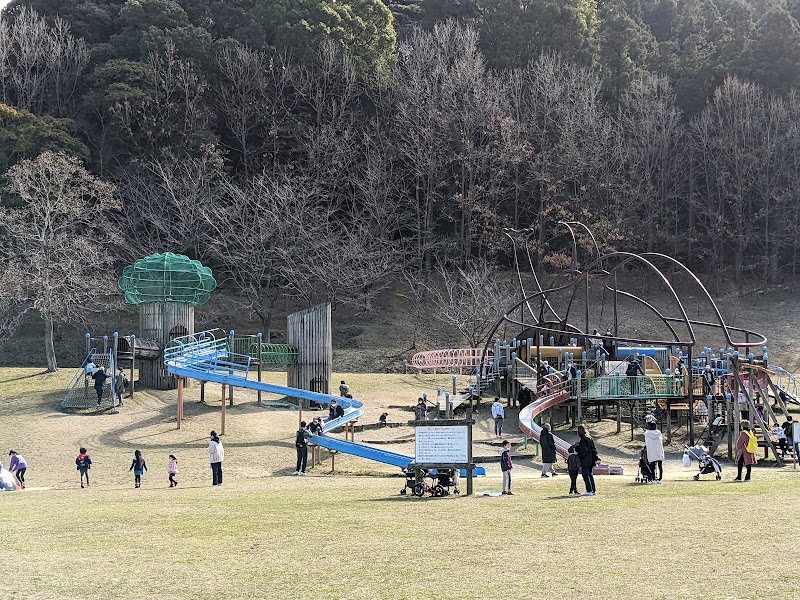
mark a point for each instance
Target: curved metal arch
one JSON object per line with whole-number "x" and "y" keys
{"x": 505, "y": 318}
{"x": 528, "y": 233}
{"x": 651, "y": 307}
{"x": 629, "y": 257}
{"x": 516, "y": 266}
{"x": 589, "y": 231}
{"x": 722, "y": 324}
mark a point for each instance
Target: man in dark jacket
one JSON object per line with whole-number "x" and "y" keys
{"x": 548, "y": 444}
{"x": 633, "y": 371}
{"x": 587, "y": 452}
{"x": 301, "y": 445}
{"x": 99, "y": 377}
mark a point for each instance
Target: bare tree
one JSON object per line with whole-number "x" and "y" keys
{"x": 469, "y": 299}
{"x": 57, "y": 245}
{"x": 241, "y": 97}
{"x": 166, "y": 204}
{"x": 40, "y": 65}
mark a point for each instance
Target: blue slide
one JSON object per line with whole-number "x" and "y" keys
{"x": 204, "y": 357}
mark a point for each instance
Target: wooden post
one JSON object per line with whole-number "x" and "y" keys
{"x": 669, "y": 421}
{"x": 132, "y": 381}
{"x": 230, "y": 351}
{"x": 180, "y": 401}
{"x": 578, "y": 396}
{"x": 202, "y": 391}
{"x": 88, "y": 337}
{"x": 619, "y": 416}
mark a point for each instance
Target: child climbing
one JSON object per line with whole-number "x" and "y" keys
{"x": 83, "y": 464}
{"x": 138, "y": 466}
{"x": 172, "y": 469}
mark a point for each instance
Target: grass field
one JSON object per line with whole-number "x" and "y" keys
{"x": 269, "y": 535}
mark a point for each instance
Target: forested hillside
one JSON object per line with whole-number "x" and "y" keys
{"x": 326, "y": 149}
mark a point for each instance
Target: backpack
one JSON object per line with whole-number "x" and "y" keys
{"x": 752, "y": 442}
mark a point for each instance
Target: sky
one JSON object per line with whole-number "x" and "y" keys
{"x": 3, "y": 3}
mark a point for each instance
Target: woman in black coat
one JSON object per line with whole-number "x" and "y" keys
{"x": 548, "y": 444}
{"x": 587, "y": 452}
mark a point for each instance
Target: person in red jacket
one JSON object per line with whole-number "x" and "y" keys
{"x": 506, "y": 466}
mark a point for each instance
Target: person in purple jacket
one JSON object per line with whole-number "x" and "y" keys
{"x": 18, "y": 466}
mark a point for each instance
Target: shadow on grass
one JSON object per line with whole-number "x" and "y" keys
{"x": 37, "y": 374}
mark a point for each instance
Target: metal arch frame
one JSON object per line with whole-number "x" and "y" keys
{"x": 725, "y": 328}
{"x": 601, "y": 260}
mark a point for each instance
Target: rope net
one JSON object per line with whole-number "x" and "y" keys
{"x": 166, "y": 277}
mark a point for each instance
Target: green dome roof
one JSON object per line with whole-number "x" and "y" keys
{"x": 166, "y": 277}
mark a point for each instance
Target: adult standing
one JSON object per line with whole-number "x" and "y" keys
{"x": 746, "y": 447}
{"x": 344, "y": 389}
{"x": 216, "y": 454}
{"x": 548, "y": 444}
{"x": 301, "y": 445}
{"x": 498, "y": 414}
{"x": 119, "y": 385}
{"x": 587, "y": 452}
{"x": 654, "y": 443}
{"x": 633, "y": 371}
{"x": 17, "y": 467}
{"x": 99, "y": 377}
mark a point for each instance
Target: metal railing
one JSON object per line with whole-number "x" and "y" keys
{"x": 267, "y": 353}
{"x": 449, "y": 358}
{"x": 206, "y": 351}
{"x": 623, "y": 386}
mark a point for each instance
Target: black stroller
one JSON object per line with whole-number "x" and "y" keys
{"x": 706, "y": 462}
{"x": 440, "y": 485}
{"x": 645, "y": 473}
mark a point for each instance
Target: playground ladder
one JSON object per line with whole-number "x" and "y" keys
{"x": 80, "y": 393}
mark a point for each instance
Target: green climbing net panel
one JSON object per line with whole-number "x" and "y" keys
{"x": 166, "y": 277}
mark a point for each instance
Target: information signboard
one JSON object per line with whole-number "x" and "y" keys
{"x": 442, "y": 444}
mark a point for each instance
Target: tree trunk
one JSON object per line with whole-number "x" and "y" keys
{"x": 49, "y": 349}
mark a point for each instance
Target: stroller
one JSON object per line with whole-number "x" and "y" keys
{"x": 706, "y": 462}
{"x": 645, "y": 473}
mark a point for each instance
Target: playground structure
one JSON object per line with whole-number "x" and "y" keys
{"x": 207, "y": 357}
{"x": 560, "y": 323}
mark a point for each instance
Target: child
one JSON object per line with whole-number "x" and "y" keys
{"x": 138, "y": 466}
{"x": 573, "y": 468}
{"x": 18, "y": 467}
{"x": 172, "y": 470}
{"x": 778, "y": 431}
{"x": 84, "y": 463}
{"x": 506, "y": 466}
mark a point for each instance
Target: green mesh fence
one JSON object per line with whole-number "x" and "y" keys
{"x": 166, "y": 277}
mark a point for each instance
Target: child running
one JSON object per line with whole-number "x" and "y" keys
{"x": 84, "y": 463}
{"x": 138, "y": 466}
{"x": 573, "y": 468}
{"x": 172, "y": 469}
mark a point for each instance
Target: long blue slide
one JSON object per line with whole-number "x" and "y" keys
{"x": 205, "y": 357}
